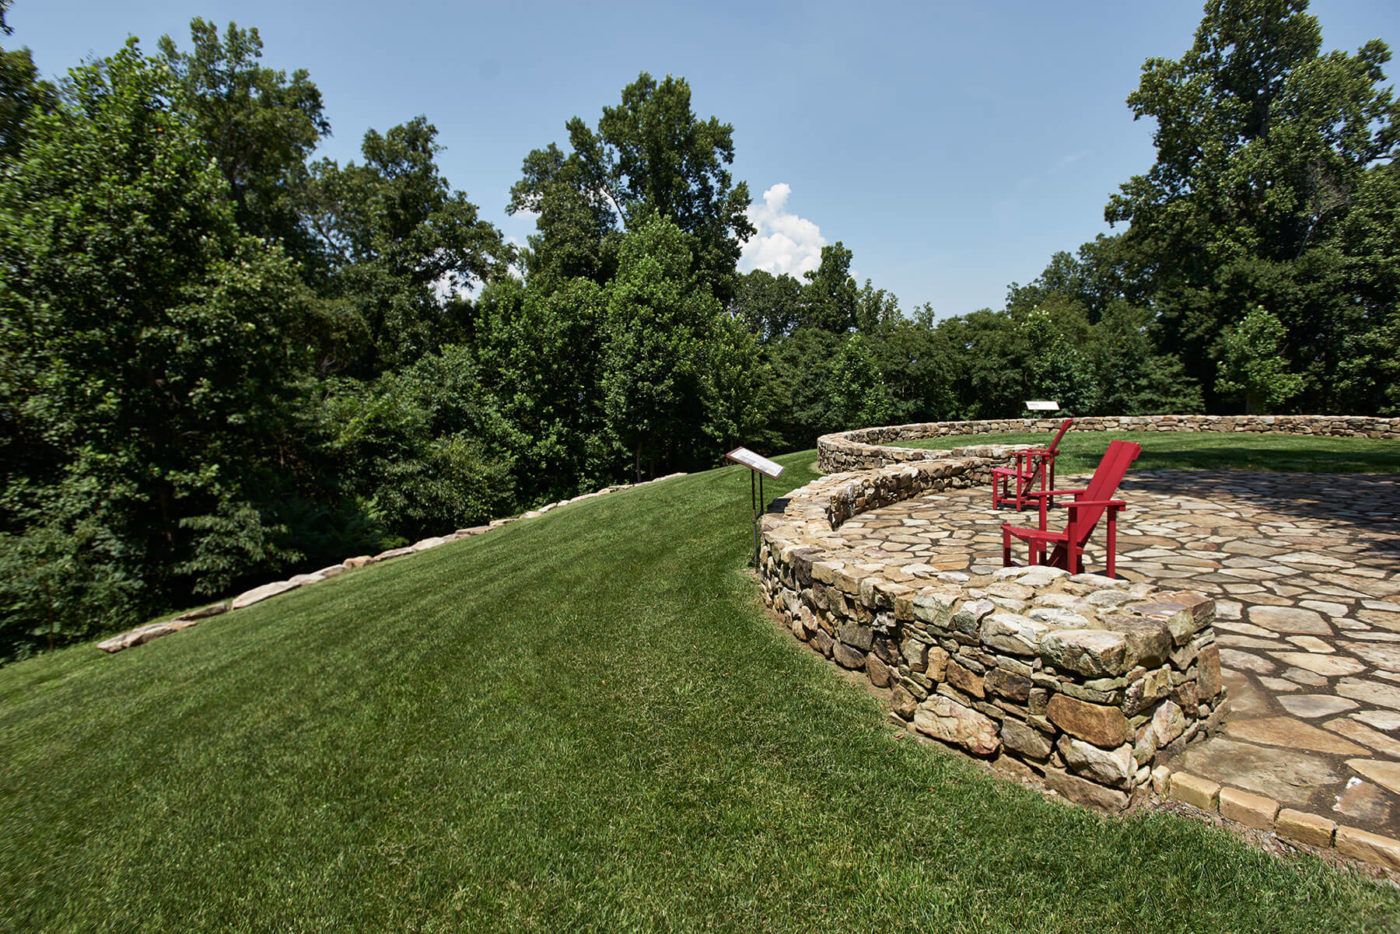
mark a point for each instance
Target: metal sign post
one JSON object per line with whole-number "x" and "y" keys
{"x": 759, "y": 467}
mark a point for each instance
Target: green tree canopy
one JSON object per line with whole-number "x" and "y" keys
{"x": 649, "y": 155}
{"x": 143, "y": 343}
{"x": 401, "y": 246}
{"x": 1264, "y": 147}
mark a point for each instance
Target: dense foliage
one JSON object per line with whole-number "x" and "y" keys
{"x": 221, "y": 360}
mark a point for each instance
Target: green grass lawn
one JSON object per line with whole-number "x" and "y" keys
{"x": 579, "y": 722}
{"x": 1080, "y": 450}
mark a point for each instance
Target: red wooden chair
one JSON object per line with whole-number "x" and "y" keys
{"x": 1032, "y": 464}
{"x": 1084, "y": 513}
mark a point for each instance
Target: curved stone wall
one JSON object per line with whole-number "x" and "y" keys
{"x": 865, "y": 448}
{"x": 1081, "y": 681}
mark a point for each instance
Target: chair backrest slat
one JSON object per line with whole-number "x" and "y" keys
{"x": 1110, "y": 472}
{"x": 1055, "y": 444}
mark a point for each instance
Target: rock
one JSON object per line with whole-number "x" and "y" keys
{"x": 1290, "y": 776}
{"x": 259, "y": 594}
{"x": 1059, "y": 617}
{"x": 1289, "y": 619}
{"x": 1147, "y": 690}
{"x": 1149, "y": 641}
{"x": 213, "y": 609}
{"x": 855, "y": 635}
{"x": 937, "y": 663}
{"x": 915, "y": 654}
{"x": 1180, "y": 621}
{"x": 1380, "y": 719}
{"x": 1194, "y": 790}
{"x": 878, "y": 671}
{"x": 358, "y": 561}
{"x": 947, "y": 720}
{"x": 1244, "y": 807}
{"x": 1105, "y": 727}
{"x": 847, "y": 657}
{"x": 902, "y": 702}
{"x": 1091, "y": 652}
{"x": 1082, "y": 791}
{"x": 1305, "y": 828}
{"x": 1382, "y": 655}
{"x": 1009, "y": 632}
{"x": 1024, "y": 739}
{"x": 964, "y": 680}
{"x": 1327, "y": 665}
{"x": 1380, "y": 771}
{"x": 1168, "y": 723}
{"x": 1315, "y": 705}
{"x": 970, "y": 615}
{"x": 1370, "y": 692}
{"x": 1008, "y": 684}
{"x": 1208, "y": 676}
{"x": 393, "y": 553}
{"x": 1104, "y": 767}
{"x": 332, "y": 571}
{"x": 140, "y": 635}
{"x": 936, "y": 608}
{"x": 1368, "y": 847}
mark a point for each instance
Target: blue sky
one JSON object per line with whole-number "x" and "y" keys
{"x": 952, "y": 146}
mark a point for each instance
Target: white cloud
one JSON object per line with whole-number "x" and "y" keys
{"x": 784, "y": 243}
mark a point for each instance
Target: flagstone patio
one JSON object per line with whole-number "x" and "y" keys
{"x": 1305, "y": 570}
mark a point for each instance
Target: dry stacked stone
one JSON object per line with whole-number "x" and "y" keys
{"x": 864, "y": 449}
{"x": 1082, "y": 681}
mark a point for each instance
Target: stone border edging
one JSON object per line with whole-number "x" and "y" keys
{"x": 865, "y": 448}
{"x": 1260, "y": 812}
{"x": 1082, "y": 682}
{"x": 145, "y": 633}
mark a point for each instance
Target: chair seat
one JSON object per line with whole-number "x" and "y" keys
{"x": 1040, "y": 534}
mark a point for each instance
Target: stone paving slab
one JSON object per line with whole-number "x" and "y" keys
{"x": 1305, "y": 570}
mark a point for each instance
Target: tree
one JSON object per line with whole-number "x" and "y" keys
{"x": 21, "y": 93}
{"x": 259, "y": 125}
{"x": 649, "y": 155}
{"x": 401, "y": 246}
{"x": 146, "y": 368}
{"x": 1262, "y": 146}
{"x": 771, "y": 306}
{"x": 830, "y": 297}
{"x": 665, "y": 335}
{"x": 1252, "y": 364}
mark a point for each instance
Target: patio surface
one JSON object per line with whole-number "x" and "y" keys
{"x": 1305, "y": 571}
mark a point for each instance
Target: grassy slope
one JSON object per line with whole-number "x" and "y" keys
{"x": 1080, "y": 450}
{"x": 580, "y": 722}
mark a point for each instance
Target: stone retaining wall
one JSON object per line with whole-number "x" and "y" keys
{"x": 1081, "y": 681}
{"x": 864, "y": 448}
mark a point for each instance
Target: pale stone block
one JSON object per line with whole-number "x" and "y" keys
{"x": 1368, "y": 847}
{"x": 1305, "y": 828}
{"x": 1247, "y": 808}
{"x": 1194, "y": 790}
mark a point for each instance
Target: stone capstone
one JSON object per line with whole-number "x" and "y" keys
{"x": 1092, "y": 652}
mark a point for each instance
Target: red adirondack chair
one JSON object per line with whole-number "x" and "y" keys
{"x": 1031, "y": 465}
{"x": 1085, "y": 511}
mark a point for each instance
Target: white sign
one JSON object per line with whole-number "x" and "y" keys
{"x": 756, "y": 462}
{"x": 1041, "y": 405}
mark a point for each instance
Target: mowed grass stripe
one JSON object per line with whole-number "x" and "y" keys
{"x": 1207, "y": 450}
{"x": 578, "y": 722}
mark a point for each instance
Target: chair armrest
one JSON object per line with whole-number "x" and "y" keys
{"x": 1080, "y": 503}
{"x": 1052, "y": 493}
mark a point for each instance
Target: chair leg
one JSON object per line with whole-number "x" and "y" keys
{"x": 1005, "y": 548}
{"x": 1112, "y": 544}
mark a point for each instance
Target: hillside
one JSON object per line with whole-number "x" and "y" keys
{"x": 579, "y": 722}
